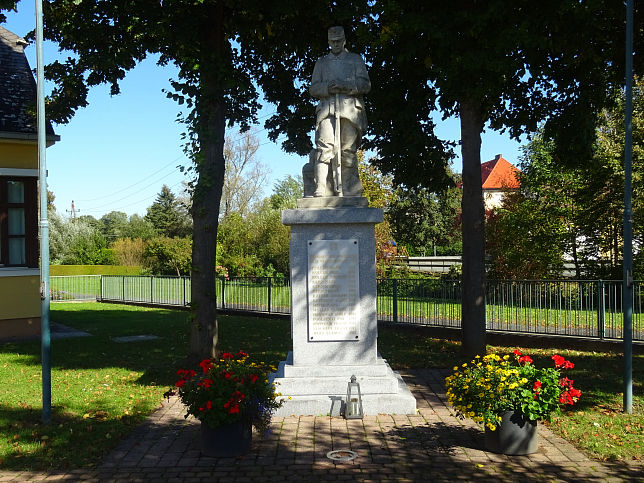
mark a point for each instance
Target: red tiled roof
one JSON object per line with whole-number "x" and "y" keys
{"x": 498, "y": 174}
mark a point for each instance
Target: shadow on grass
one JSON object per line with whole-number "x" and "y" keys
{"x": 267, "y": 340}
{"x": 69, "y": 441}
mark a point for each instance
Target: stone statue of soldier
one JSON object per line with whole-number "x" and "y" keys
{"x": 340, "y": 79}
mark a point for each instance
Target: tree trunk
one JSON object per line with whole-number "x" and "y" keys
{"x": 473, "y": 303}
{"x": 211, "y": 127}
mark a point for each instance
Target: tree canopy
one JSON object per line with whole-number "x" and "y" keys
{"x": 505, "y": 66}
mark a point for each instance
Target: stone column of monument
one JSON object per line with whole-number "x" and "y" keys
{"x": 333, "y": 261}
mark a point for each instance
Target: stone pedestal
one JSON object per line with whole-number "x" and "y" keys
{"x": 334, "y": 319}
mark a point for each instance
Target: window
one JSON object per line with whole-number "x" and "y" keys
{"x": 18, "y": 222}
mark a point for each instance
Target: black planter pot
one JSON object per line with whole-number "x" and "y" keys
{"x": 226, "y": 441}
{"x": 514, "y": 435}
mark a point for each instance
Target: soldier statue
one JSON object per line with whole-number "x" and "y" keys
{"x": 340, "y": 79}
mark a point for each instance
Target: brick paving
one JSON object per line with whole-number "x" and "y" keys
{"x": 432, "y": 445}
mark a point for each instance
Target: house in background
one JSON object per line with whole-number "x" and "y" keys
{"x": 20, "y": 304}
{"x": 497, "y": 176}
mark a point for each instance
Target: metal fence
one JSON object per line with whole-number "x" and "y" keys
{"x": 590, "y": 308}
{"x": 253, "y": 294}
{"x": 587, "y": 308}
{"x": 76, "y": 287}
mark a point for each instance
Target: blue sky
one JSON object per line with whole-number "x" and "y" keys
{"x": 116, "y": 154}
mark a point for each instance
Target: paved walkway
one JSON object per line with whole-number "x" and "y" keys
{"x": 430, "y": 446}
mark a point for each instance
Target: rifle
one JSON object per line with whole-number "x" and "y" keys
{"x": 337, "y": 164}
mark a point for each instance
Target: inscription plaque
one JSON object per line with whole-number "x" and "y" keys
{"x": 333, "y": 295}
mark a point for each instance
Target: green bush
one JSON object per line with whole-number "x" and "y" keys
{"x": 62, "y": 270}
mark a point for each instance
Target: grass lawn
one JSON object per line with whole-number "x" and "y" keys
{"x": 101, "y": 389}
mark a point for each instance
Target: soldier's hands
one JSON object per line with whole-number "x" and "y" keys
{"x": 336, "y": 87}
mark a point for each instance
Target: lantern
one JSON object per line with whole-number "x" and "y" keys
{"x": 353, "y": 407}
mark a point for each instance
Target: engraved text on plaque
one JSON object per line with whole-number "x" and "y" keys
{"x": 333, "y": 296}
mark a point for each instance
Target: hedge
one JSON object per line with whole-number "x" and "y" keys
{"x": 57, "y": 270}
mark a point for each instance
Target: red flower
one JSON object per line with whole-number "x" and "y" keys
{"x": 227, "y": 355}
{"x": 517, "y": 352}
{"x": 226, "y": 374}
{"x": 537, "y": 386}
{"x": 241, "y": 354}
{"x": 565, "y": 382}
{"x": 568, "y": 365}
{"x": 575, "y": 393}
{"x": 565, "y": 398}
{"x": 525, "y": 360}
{"x": 558, "y": 360}
{"x": 180, "y": 382}
{"x": 253, "y": 378}
{"x": 206, "y": 364}
{"x": 206, "y": 383}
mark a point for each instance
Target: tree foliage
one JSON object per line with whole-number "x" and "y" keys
{"x": 129, "y": 251}
{"x": 286, "y": 192}
{"x": 423, "y": 220}
{"x": 168, "y": 216}
{"x": 168, "y": 256}
{"x": 77, "y": 242}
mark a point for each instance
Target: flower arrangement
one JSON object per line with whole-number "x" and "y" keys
{"x": 227, "y": 390}
{"x": 490, "y": 385}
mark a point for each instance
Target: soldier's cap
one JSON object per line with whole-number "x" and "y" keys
{"x": 336, "y": 33}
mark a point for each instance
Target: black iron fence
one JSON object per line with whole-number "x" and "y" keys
{"x": 586, "y": 308}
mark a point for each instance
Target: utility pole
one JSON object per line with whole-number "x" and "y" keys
{"x": 73, "y": 211}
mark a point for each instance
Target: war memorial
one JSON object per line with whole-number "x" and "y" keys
{"x": 334, "y": 324}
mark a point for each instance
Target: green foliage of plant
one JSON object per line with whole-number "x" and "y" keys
{"x": 487, "y": 386}
{"x": 168, "y": 256}
{"x": 424, "y": 219}
{"x": 68, "y": 270}
{"x": 77, "y": 242}
{"x": 256, "y": 245}
{"x": 129, "y": 251}
{"x": 286, "y": 192}
{"x": 524, "y": 242}
{"x": 228, "y": 389}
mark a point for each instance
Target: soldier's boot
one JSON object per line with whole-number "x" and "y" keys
{"x": 321, "y": 173}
